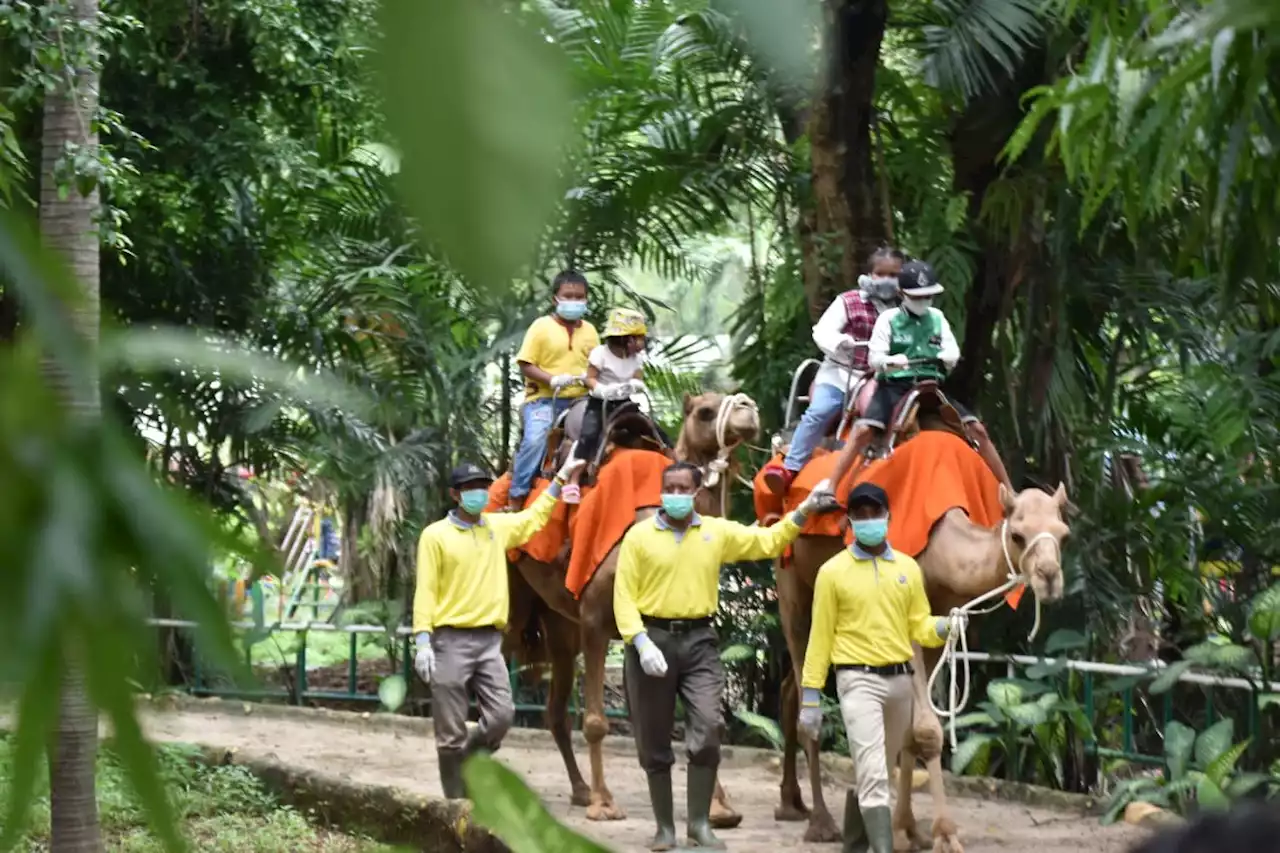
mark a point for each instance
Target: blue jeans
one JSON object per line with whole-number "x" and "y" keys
{"x": 824, "y": 409}
{"x": 536, "y": 418}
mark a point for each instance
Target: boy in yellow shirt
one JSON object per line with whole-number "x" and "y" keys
{"x": 553, "y": 360}
{"x": 869, "y": 606}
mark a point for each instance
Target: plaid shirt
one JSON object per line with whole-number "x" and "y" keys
{"x": 860, "y": 313}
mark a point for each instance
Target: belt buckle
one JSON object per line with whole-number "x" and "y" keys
{"x": 678, "y": 626}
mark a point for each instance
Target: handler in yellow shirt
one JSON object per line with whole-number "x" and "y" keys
{"x": 869, "y": 605}
{"x": 460, "y": 607}
{"x": 665, "y": 596}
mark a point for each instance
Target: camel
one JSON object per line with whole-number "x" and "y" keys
{"x": 714, "y": 424}
{"x": 961, "y": 562}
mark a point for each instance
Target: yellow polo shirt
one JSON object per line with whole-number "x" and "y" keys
{"x": 672, "y": 575}
{"x": 462, "y": 568}
{"x": 866, "y": 610}
{"x": 557, "y": 349}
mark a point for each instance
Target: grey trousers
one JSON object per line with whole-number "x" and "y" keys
{"x": 469, "y": 660}
{"x": 694, "y": 673}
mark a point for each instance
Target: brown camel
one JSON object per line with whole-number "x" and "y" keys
{"x": 714, "y": 424}
{"x": 962, "y": 561}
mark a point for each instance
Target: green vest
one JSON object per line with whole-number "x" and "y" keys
{"x": 916, "y": 338}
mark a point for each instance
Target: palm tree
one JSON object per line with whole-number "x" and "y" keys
{"x": 68, "y": 225}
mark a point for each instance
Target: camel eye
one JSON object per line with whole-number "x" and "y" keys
{"x": 1019, "y": 540}
{"x": 706, "y": 413}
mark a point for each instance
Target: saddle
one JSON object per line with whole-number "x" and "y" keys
{"x": 625, "y": 425}
{"x": 925, "y": 406}
{"x": 856, "y": 401}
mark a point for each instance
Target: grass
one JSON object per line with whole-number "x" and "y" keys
{"x": 324, "y": 648}
{"x": 221, "y": 809}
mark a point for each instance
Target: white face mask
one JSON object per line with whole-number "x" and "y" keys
{"x": 918, "y": 305}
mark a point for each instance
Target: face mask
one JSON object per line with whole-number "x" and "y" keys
{"x": 883, "y": 288}
{"x": 870, "y": 531}
{"x": 571, "y": 311}
{"x": 677, "y": 506}
{"x": 473, "y": 501}
{"x": 918, "y": 305}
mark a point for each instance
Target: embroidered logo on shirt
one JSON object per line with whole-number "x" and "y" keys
{"x": 902, "y": 579}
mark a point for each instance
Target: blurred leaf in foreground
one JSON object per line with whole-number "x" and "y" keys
{"x": 506, "y": 807}
{"x": 479, "y": 102}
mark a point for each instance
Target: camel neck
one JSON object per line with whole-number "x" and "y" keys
{"x": 974, "y": 553}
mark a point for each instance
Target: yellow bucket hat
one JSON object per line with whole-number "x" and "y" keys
{"x": 624, "y": 322}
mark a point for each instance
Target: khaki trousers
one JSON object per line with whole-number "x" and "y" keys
{"x": 877, "y": 715}
{"x": 694, "y": 673}
{"x": 469, "y": 660}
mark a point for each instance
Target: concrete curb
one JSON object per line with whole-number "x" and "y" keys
{"x": 837, "y": 765}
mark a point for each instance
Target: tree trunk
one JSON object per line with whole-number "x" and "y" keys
{"x": 68, "y": 225}
{"x": 846, "y": 223}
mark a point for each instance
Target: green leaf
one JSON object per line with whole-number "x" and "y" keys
{"x": 1168, "y": 676}
{"x": 1028, "y": 713}
{"x": 1214, "y": 741}
{"x": 737, "y": 653}
{"x": 1179, "y": 740}
{"x": 1247, "y": 783}
{"x": 783, "y": 34}
{"x": 1005, "y": 694}
{"x": 1266, "y": 700}
{"x": 1064, "y": 639}
{"x": 967, "y": 750}
{"x": 765, "y": 726}
{"x": 479, "y": 102}
{"x": 1043, "y": 670}
{"x": 506, "y": 807}
{"x": 1225, "y": 764}
{"x": 1210, "y": 797}
{"x": 392, "y": 691}
{"x": 977, "y": 718}
{"x": 1264, "y": 615}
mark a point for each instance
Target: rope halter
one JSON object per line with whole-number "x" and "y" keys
{"x": 713, "y": 471}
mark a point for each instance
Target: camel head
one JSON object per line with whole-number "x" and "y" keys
{"x": 1036, "y": 529}
{"x": 704, "y": 412}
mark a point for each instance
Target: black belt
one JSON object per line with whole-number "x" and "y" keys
{"x": 468, "y": 627}
{"x": 883, "y": 671}
{"x": 678, "y": 626}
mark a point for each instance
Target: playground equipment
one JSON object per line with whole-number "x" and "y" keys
{"x": 311, "y": 551}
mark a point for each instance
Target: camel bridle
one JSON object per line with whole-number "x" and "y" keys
{"x": 713, "y": 471}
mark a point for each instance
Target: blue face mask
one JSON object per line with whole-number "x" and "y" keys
{"x": 571, "y": 311}
{"x": 870, "y": 531}
{"x": 677, "y": 506}
{"x": 474, "y": 501}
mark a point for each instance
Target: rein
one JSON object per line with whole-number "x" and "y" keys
{"x": 957, "y": 696}
{"x": 712, "y": 472}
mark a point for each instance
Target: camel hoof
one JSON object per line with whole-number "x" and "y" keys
{"x": 605, "y": 811}
{"x": 723, "y": 817}
{"x": 947, "y": 844}
{"x": 822, "y": 829}
{"x": 907, "y": 840}
{"x": 791, "y": 813}
{"x": 581, "y": 796}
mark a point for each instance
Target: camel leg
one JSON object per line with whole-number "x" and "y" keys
{"x": 792, "y": 807}
{"x": 561, "y": 637}
{"x": 905, "y": 835}
{"x": 723, "y": 815}
{"x": 926, "y": 733}
{"x": 795, "y": 624}
{"x": 595, "y": 725}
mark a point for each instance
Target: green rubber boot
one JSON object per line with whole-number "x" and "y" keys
{"x": 879, "y": 824}
{"x": 855, "y": 831}
{"x": 451, "y": 774}
{"x": 702, "y": 786}
{"x": 664, "y": 811}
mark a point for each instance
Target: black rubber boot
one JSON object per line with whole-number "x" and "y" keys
{"x": 476, "y": 743}
{"x": 702, "y": 786}
{"x": 451, "y": 774}
{"x": 879, "y": 823}
{"x": 664, "y": 811}
{"x": 855, "y": 831}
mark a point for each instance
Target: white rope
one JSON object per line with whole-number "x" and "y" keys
{"x": 958, "y": 690}
{"x": 712, "y": 472}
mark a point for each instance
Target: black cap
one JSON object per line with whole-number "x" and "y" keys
{"x": 917, "y": 278}
{"x": 468, "y": 472}
{"x": 868, "y": 493}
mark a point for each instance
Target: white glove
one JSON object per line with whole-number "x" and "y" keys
{"x": 958, "y": 619}
{"x": 814, "y": 499}
{"x": 637, "y": 387}
{"x": 425, "y": 661}
{"x": 651, "y": 659}
{"x": 824, "y": 486}
{"x": 847, "y": 345}
{"x": 563, "y": 380}
{"x": 810, "y": 720}
{"x": 612, "y": 392}
{"x": 571, "y": 465}
{"x": 898, "y": 360}
{"x": 949, "y": 363}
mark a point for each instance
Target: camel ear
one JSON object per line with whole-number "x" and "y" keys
{"x": 1006, "y": 500}
{"x": 1060, "y": 494}
{"x": 1066, "y": 508}
{"x": 688, "y": 403}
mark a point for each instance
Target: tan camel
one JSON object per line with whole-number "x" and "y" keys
{"x": 961, "y": 562}
{"x": 713, "y": 425}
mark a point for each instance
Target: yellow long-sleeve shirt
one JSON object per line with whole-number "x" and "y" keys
{"x": 462, "y": 568}
{"x": 672, "y": 575}
{"x": 866, "y": 610}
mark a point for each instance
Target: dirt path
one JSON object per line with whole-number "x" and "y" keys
{"x": 408, "y": 762}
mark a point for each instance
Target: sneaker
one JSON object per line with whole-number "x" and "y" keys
{"x": 571, "y": 493}
{"x": 778, "y": 478}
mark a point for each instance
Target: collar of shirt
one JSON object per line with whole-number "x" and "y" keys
{"x": 866, "y": 555}
{"x": 461, "y": 523}
{"x": 661, "y": 522}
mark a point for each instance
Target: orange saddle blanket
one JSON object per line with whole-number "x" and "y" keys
{"x": 924, "y": 478}
{"x": 546, "y": 543}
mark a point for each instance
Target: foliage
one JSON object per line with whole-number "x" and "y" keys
{"x": 505, "y": 806}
